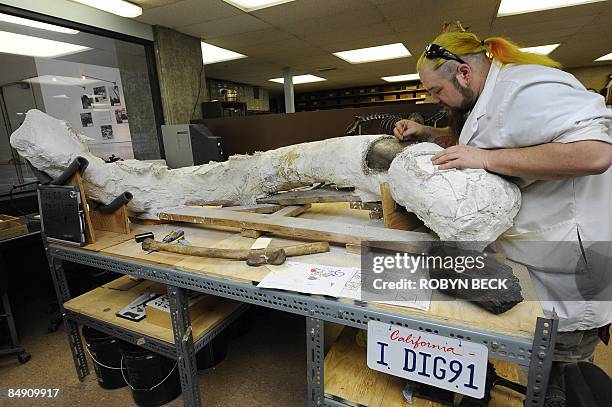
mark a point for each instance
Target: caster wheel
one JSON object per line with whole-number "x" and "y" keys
{"x": 24, "y": 357}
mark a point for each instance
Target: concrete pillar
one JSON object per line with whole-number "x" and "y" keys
{"x": 179, "y": 65}
{"x": 288, "y": 88}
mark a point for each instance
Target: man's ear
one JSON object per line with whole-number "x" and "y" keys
{"x": 464, "y": 74}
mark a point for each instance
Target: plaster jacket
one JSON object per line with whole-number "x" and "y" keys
{"x": 527, "y": 105}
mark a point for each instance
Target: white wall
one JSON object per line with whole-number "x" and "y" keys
{"x": 80, "y": 13}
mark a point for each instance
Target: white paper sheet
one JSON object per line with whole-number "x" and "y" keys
{"x": 309, "y": 278}
{"x": 419, "y": 299}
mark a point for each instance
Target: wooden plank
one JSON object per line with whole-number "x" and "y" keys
{"x": 117, "y": 221}
{"x": 300, "y": 228}
{"x": 353, "y": 248}
{"x": 393, "y": 218}
{"x": 259, "y": 208}
{"x": 293, "y": 210}
{"x": 348, "y": 377}
{"x": 11, "y": 226}
{"x": 312, "y": 196}
{"x": 102, "y": 303}
{"x": 77, "y": 181}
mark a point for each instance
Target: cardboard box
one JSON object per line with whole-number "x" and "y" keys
{"x": 158, "y": 309}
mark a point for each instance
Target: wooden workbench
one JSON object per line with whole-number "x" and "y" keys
{"x": 520, "y": 321}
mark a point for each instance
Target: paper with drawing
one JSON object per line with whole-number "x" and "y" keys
{"x": 308, "y": 278}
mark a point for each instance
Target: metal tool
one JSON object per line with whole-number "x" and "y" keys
{"x": 175, "y": 235}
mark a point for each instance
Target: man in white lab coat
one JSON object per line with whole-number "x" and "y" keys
{"x": 523, "y": 118}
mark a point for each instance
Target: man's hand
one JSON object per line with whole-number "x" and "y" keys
{"x": 461, "y": 157}
{"x": 406, "y": 130}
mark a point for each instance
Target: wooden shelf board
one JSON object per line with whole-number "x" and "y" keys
{"x": 348, "y": 377}
{"x": 103, "y": 302}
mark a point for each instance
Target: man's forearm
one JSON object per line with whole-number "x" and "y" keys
{"x": 552, "y": 161}
{"x": 443, "y": 136}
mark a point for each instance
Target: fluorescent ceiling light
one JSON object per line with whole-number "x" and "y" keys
{"x": 36, "y": 24}
{"x": 61, "y": 80}
{"x": 542, "y": 49}
{"x": 371, "y": 54}
{"x": 400, "y": 78}
{"x": 119, "y": 7}
{"x": 11, "y": 43}
{"x": 252, "y": 5}
{"x": 212, "y": 54}
{"x": 511, "y": 7}
{"x": 607, "y": 57}
{"x": 299, "y": 79}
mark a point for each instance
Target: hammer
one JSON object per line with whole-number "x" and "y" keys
{"x": 253, "y": 257}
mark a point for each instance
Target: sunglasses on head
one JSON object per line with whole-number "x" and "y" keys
{"x": 434, "y": 51}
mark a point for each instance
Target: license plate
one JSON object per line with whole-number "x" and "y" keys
{"x": 447, "y": 363}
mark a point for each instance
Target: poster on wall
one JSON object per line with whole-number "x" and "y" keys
{"x": 107, "y": 132}
{"x": 115, "y": 98}
{"x": 88, "y": 106}
{"x": 86, "y": 120}
{"x": 100, "y": 94}
{"x": 121, "y": 116}
{"x": 86, "y": 101}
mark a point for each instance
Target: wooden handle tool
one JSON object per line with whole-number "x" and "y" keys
{"x": 256, "y": 257}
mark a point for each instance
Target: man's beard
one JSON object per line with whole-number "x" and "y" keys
{"x": 458, "y": 115}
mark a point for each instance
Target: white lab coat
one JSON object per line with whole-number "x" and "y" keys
{"x": 525, "y": 105}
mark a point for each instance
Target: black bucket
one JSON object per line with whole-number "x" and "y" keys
{"x": 146, "y": 371}
{"x": 104, "y": 349}
{"x": 213, "y": 352}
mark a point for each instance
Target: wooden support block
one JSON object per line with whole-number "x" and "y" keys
{"x": 393, "y": 218}
{"x": 293, "y": 210}
{"x": 77, "y": 181}
{"x": 311, "y": 229}
{"x": 117, "y": 221}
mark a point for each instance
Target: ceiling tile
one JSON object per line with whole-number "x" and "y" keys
{"x": 188, "y": 12}
{"x": 307, "y": 9}
{"x": 239, "y": 24}
{"x": 352, "y": 19}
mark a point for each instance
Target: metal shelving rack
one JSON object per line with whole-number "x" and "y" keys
{"x": 537, "y": 354}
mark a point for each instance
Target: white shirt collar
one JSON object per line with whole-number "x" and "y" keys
{"x": 480, "y": 107}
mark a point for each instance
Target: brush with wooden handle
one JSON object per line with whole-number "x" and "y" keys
{"x": 253, "y": 257}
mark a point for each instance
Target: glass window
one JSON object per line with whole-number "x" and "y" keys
{"x": 100, "y": 85}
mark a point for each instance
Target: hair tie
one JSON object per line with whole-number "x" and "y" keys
{"x": 482, "y": 43}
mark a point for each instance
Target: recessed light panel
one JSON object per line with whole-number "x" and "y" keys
{"x": 11, "y": 43}
{"x": 7, "y": 18}
{"x": 401, "y": 78}
{"x": 607, "y": 57}
{"x": 299, "y": 79}
{"x": 372, "y": 54}
{"x": 119, "y": 7}
{"x": 252, "y": 5}
{"x": 212, "y": 54}
{"x": 541, "y": 49}
{"x": 511, "y": 7}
